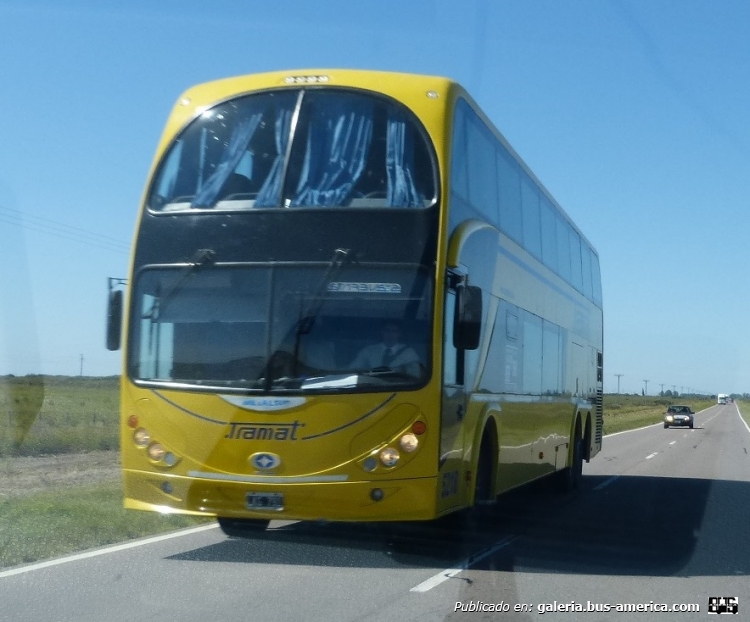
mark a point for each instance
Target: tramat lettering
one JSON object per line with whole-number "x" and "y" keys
{"x": 264, "y": 431}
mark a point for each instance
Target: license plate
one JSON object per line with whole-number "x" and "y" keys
{"x": 272, "y": 501}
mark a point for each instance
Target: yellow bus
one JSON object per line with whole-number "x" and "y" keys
{"x": 350, "y": 300}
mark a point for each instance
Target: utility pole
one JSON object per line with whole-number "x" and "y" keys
{"x": 662, "y": 389}
{"x": 645, "y": 391}
{"x": 618, "y": 382}
{"x": 81, "y": 365}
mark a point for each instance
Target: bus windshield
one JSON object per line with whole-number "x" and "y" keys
{"x": 281, "y": 328}
{"x": 297, "y": 148}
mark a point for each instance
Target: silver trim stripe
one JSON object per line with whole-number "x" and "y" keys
{"x": 269, "y": 479}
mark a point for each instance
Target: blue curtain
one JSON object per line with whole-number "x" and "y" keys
{"x": 399, "y": 163}
{"x": 338, "y": 141}
{"x": 270, "y": 193}
{"x": 241, "y": 135}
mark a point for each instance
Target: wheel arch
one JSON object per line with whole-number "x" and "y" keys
{"x": 485, "y": 440}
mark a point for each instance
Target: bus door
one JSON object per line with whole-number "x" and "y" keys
{"x": 452, "y": 414}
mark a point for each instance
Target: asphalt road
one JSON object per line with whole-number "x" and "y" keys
{"x": 661, "y": 519}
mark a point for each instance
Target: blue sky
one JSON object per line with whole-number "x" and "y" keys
{"x": 633, "y": 113}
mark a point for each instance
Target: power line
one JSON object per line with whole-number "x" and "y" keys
{"x": 57, "y": 229}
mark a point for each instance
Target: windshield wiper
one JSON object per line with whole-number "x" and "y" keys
{"x": 202, "y": 257}
{"x": 307, "y": 321}
{"x": 307, "y": 318}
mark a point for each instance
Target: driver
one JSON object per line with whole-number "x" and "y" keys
{"x": 389, "y": 353}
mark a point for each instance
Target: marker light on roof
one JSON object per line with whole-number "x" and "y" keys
{"x": 306, "y": 79}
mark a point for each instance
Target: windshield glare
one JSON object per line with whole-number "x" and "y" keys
{"x": 291, "y": 328}
{"x": 347, "y": 149}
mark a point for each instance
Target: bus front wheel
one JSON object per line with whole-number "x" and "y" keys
{"x": 242, "y": 527}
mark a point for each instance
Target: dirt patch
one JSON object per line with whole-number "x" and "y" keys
{"x": 24, "y": 475}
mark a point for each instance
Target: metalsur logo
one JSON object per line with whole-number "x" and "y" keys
{"x": 264, "y": 461}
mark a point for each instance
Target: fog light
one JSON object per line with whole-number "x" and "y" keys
{"x": 369, "y": 464}
{"x": 155, "y": 452}
{"x": 141, "y": 437}
{"x": 409, "y": 443}
{"x": 167, "y": 488}
{"x": 377, "y": 494}
{"x": 389, "y": 457}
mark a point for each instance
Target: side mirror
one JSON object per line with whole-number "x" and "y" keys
{"x": 114, "y": 319}
{"x": 468, "y": 317}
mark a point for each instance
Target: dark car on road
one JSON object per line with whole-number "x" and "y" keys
{"x": 679, "y": 415}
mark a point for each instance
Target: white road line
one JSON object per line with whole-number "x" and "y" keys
{"x": 607, "y": 482}
{"x": 710, "y": 419}
{"x": 651, "y": 455}
{"x": 110, "y": 549}
{"x": 645, "y": 427}
{"x": 449, "y": 573}
{"x": 673, "y": 442}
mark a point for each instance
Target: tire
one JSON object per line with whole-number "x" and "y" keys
{"x": 242, "y": 527}
{"x": 569, "y": 479}
{"x": 666, "y": 426}
{"x": 483, "y": 494}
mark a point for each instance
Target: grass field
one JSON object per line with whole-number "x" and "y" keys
{"x": 69, "y": 415}
{"x": 57, "y": 414}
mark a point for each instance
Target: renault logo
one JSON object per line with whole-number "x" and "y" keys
{"x": 264, "y": 461}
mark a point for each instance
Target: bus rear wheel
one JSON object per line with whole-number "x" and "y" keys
{"x": 242, "y": 527}
{"x": 569, "y": 479}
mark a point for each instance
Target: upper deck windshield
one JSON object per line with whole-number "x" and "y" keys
{"x": 298, "y": 148}
{"x": 282, "y": 328}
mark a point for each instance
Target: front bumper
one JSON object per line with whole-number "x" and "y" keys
{"x": 402, "y": 499}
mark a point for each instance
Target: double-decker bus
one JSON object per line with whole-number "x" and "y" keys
{"x": 294, "y": 227}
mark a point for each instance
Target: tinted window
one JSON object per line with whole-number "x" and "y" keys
{"x": 345, "y": 149}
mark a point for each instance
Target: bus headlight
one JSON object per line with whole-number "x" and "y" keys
{"x": 155, "y": 451}
{"x": 141, "y": 437}
{"x": 409, "y": 443}
{"x": 389, "y": 457}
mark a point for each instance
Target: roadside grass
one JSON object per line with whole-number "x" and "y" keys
{"x": 627, "y": 412}
{"x": 744, "y": 410}
{"x": 50, "y": 524}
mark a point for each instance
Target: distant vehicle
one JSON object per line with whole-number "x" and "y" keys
{"x": 723, "y": 398}
{"x": 679, "y": 415}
